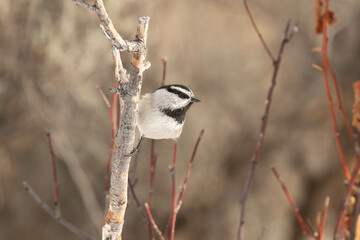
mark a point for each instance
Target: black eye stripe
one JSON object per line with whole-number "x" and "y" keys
{"x": 172, "y": 89}
{"x": 179, "y": 93}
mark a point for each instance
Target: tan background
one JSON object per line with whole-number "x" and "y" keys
{"x": 53, "y": 54}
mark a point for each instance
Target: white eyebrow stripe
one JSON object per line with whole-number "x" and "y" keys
{"x": 189, "y": 93}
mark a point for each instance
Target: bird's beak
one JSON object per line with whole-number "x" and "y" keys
{"x": 195, "y": 100}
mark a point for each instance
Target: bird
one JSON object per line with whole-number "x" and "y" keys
{"x": 161, "y": 114}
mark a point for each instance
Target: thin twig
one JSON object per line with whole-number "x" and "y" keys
{"x": 103, "y": 96}
{"x": 173, "y": 195}
{"x": 63, "y": 221}
{"x": 293, "y": 205}
{"x": 153, "y": 160}
{"x": 191, "y": 162}
{"x": 137, "y": 202}
{"x": 56, "y": 185}
{"x": 84, "y": 4}
{"x": 258, "y": 32}
{"x": 323, "y": 219}
{"x": 153, "y": 223}
{"x": 113, "y": 130}
{"x": 183, "y": 187}
{"x": 108, "y": 27}
{"x": 286, "y": 38}
{"x": 328, "y": 94}
{"x": 339, "y": 105}
{"x": 164, "y": 61}
{"x": 153, "y": 157}
{"x": 340, "y": 225}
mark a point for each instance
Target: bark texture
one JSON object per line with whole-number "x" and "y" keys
{"x": 129, "y": 89}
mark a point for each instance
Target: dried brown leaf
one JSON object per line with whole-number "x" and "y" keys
{"x": 356, "y": 106}
{"x": 318, "y": 6}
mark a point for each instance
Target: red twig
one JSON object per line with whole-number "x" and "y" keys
{"x": 328, "y": 93}
{"x": 340, "y": 225}
{"x": 103, "y": 96}
{"x": 183, "y": 187}
{"x": 323, "y": 219}
{"x": 107, "y": 173}
{"x": 118, "y": 112}
{"x": 293, "y": 205}
{"x": 153, "y": 160}
{"x": 173, "y": 205}
{"x": 56, "y": 185}
{"x": 258, "y": 32}
{"x": 153, "y": 157}
{"x": 286, "y": 38}
{"x": 191, "y": 162}
{"x": 153, "y": 223}
{"x": 340, "y": 107}
{"x": 164, "y": 61}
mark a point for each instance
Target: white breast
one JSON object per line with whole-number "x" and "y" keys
{"x": 154, "y": 124}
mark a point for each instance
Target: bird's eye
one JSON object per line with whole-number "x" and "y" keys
{"x": 179, "y": 93}
{"x": 182, "y": 95}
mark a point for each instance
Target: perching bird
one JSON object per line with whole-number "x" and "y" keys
{"x": 161, "y": 114}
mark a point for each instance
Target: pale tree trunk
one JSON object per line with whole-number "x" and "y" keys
{"x": 129, "y": 89}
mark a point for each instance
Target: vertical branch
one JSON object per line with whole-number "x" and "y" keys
{"x": 183, "y": 187}
{"x": 340, "y": 224}
{"x": 328, "y": 92}
{"x": 356, "y": 106}
{"x": 285, "y": 39}
{"x": 173, "y": 197}
{"x": 191, "y": 162}
{"x": 164, "y": 61}
{"x": 129, "y": 89}
{"x": 339, "y": 102}
{"x": 153, "y": 160}
{"x": 321, "y": 227}
{"x": 56, "y": 185}
{"x": 125, "y": 138}
{"x": 107, "y": 173}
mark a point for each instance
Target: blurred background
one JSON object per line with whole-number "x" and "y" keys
{"x": 53, "y": 54}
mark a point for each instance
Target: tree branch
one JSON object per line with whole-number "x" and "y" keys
{"x": 328, "y": 94}
{"x": 129, "y": 88}
{"x": 257, "y": 31}
{"x": 56, "y": 185}
{"x": 173, "y": 195}
{"x": 285, "y": 39}
{"x": 293, "y": 205}
{"x": 63, "y": 221}
{"x": 153, "y": 223}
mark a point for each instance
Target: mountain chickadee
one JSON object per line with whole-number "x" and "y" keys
{"x": 161, "y": 114}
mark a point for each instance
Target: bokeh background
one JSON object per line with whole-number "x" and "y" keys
{"x": 53, "y": 54}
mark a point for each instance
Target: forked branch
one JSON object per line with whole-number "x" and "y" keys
{"x": 129, "y": 89}
{"x": 287, "y": 35}
{"x": 63, "y": 221}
